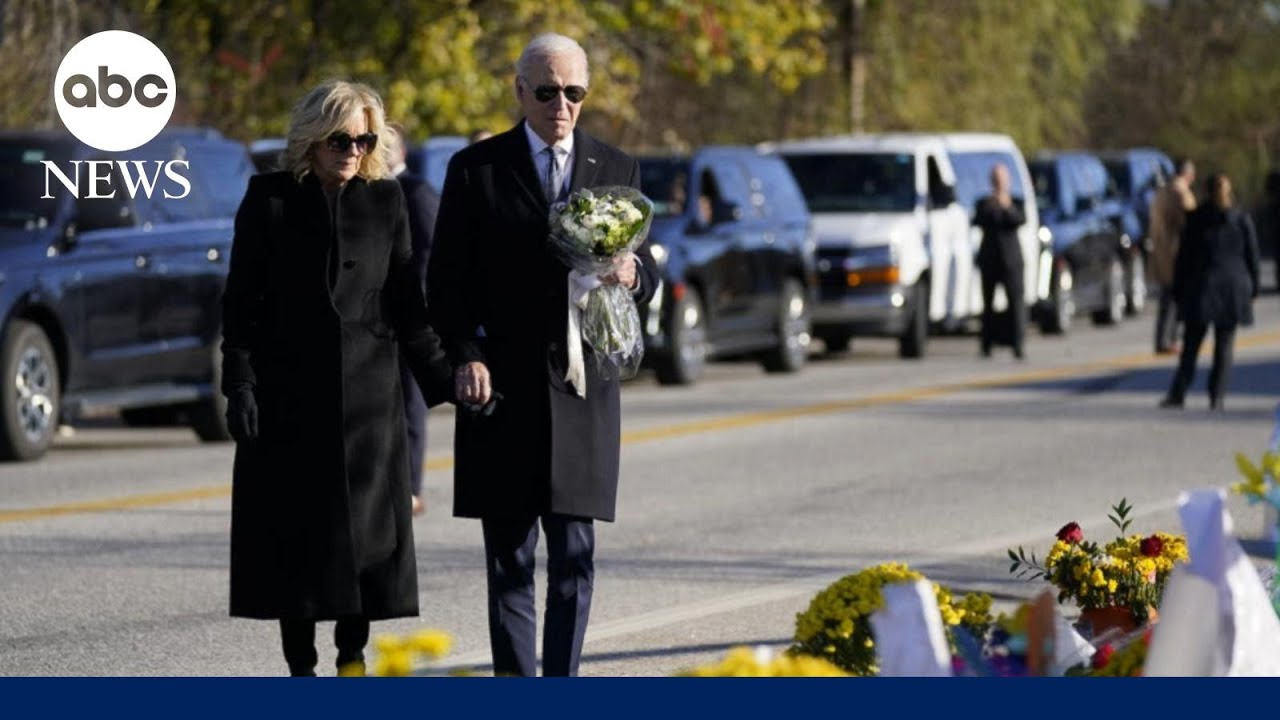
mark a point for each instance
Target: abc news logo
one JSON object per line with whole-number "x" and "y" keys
{"x": 107, "y": 110}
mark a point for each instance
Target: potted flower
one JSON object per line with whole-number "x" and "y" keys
{"x": 837, "y": 624}
{"x": 1117, "y": 585}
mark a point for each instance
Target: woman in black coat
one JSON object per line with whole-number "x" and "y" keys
{"x": 1215, "y": 281}
{"x": 320, "y": 301}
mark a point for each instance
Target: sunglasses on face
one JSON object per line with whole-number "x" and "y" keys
{"x": 573, "y": 93}
{"x": 341, "y": 142}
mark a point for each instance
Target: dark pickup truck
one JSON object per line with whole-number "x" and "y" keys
{"x": 734, "y": 242}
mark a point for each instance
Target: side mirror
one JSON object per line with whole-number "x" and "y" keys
{"x": 103, "y": 214}
{"x": 723, "y": 211}
{"x": 70, "y": 237}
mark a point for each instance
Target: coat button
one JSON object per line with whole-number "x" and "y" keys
{"x": 348, "y": 264}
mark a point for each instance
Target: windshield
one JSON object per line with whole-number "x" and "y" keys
{"x": 22, "y": 181}
{"x": 665, "y": 181}
{"x": 882, "y": 182}
{"x": 1046, "y": 183}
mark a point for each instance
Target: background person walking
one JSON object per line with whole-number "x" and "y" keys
{"x": 1215, "y": 281}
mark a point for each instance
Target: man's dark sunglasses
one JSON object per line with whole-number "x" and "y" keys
{"x": 573, "y": 93}
{"x": 341, "y": 142}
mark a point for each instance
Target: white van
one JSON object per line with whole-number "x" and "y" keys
{"x": 972, "y": 156}
{"x": 894, "y": 254}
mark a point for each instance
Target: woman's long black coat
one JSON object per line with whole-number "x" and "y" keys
{"x": 1216, "y": 271}
{"x": 320, "y": 519}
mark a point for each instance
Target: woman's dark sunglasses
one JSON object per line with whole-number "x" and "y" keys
{"x": 341, "y": 142}
{"x": 573, "y": 93}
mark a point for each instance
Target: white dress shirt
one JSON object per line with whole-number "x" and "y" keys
{"x": 563, "y": 153}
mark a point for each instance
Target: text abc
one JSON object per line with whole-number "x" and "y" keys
{"x": 106, "y": 80}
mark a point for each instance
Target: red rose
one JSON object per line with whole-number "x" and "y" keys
{"x": 1071, "y": 533}
{"x": 1103, "y": 656}
{"x": 1152, "y": 546}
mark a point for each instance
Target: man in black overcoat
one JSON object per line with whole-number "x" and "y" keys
{"x": 547, "y": 451}
{"x": 999, "y": 215}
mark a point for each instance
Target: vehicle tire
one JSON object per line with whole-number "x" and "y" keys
{"x": 1135, "y": 285}
{"x": 912, "y": 342}
{"x": 687, "y": 348}
{"x": 1113, "y": 313}
{"x": 794, "y": 328}
{"x": 836, "y": 341}
{"x": 208, "y": 417}
{"x": 1060, "y": 308}
{"x": 30, "y": 402}
{"x": 159, "y": 416}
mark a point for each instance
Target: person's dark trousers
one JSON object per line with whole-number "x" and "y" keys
{"x": 1166, "y": 321}
{"x": 509, "y": 546}
{"x": 415, "y": 416}
{"x": 299, "y": 640}
{"x": 1012, "y": 282}
{"x": 1224, "y": 338}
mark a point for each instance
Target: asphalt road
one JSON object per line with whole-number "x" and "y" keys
{"x": 740, "y": 498}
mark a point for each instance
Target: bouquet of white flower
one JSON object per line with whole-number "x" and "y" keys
{"x": 589, "y": 232}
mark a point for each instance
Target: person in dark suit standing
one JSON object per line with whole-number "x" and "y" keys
{"x": 999, "y": 215}
{"x": 320, "y": 304}
{"x": 543, "y": 454}
{"x": 422, "y": 204}
{"x": 1214, "y": 283}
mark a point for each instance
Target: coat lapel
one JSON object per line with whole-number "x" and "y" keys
{"x": 526, "y": 175}
{"x": 586, "y": 162}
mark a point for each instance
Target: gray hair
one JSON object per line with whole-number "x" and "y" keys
{"x": 548, "y": 45}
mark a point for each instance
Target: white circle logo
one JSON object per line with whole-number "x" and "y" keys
{"x": 115, "y": 90}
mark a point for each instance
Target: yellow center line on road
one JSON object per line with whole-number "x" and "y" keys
{"x": 694, "y": 427}
{"x": 123, "y": 503}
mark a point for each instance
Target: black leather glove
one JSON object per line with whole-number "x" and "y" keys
{"x": 242, "y": 415}
{"x": 479, "y": 411}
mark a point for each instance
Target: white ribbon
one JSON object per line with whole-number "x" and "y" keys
{"x": 580, "y": 287}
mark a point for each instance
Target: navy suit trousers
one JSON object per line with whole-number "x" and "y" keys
{"x": 509, "y": 546}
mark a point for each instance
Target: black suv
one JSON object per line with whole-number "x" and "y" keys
{"x": 113, "y": 301}
{"x": 734, "y": 242}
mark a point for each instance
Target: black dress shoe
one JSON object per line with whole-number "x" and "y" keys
{"x": 1171, "y": 403}
{"x": 1017, "y": 353}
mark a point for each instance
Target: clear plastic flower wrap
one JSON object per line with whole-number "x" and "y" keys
{"x": 589, "y": 232}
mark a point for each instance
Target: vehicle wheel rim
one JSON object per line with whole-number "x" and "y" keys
{"x": 1139, "y": 285}
{"x": 693, "y": 348}
{"x": 1066, "y": 303}
{"x": 33, "y": 386}
{"x": 796, "y": 327}
{"x": 1118, "y": 300}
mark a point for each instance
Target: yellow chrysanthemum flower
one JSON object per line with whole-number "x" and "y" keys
{"x": 744, "y": 662}
{"x": 393, "y": 664}
{"x": 434, "y": 644}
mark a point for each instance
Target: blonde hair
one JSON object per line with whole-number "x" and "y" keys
{"x": 325, "y": 110}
